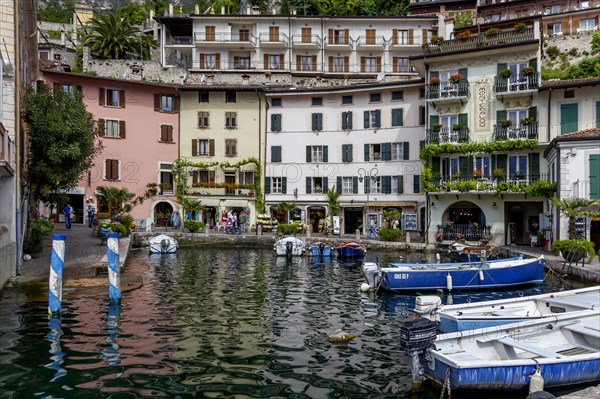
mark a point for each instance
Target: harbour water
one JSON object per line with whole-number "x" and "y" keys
{"x": 217, "y": 323}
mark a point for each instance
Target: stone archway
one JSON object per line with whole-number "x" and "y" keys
{"x": 162, "y": 212}
{"x": 464, "y": 220}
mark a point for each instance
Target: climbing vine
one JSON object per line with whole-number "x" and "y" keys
{"x": 434, "y": 150}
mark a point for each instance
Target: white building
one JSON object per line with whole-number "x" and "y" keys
{"x": 362, "y": 142}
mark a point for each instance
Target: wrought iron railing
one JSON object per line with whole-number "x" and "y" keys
{"x": 456, "y": 45}
{"x": 447, "y": 90}
{"x": 485, "y": 182}
{"x": 470, "y": 232}
{"x": 520, "y": 132}
{"x": 448, "y": 136}
{"x": 517, "y": 83}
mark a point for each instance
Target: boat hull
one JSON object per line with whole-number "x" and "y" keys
{"x": 468, "y": 278}
{"x": 163, "y": 244}
{"x": 290, "y": 246}
{"x": 351, "y": 249}
{"x": 316, "y": 249}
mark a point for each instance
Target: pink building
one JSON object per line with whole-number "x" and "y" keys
{"x": 139, "y": 124}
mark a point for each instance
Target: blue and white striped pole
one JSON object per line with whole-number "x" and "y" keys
{"x": 57, "y": 265}
{"x": 114, "y": 275}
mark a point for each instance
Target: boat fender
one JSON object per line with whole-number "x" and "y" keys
{"x": 481, "y": 275}
{"x": 364, "y": 287}
{"x": 536, "y": 382}
{"x": 438, "y": 258}
{"x": 340, "y": 337}
{"x": 449, "y": 282}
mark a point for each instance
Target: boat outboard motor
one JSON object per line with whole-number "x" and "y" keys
{"x": 321, "y": 248}
{"x": 164, "y": 245}
{"x": 289, "y": 247}
{"x": 372, "y": 275}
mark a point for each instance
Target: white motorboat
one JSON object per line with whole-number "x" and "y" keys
{"x": 290, "y": 246}
{"x": 163, "y": 244}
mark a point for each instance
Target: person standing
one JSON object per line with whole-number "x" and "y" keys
{"x": 91, "y": 213}
{"x": 68, "y": 214}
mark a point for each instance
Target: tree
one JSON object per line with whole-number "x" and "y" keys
{"x": 112, "y": 36}
{"x": 287, "y": 207}
{"x": 574, "y": 208}
{"x": 116, "y": 198}
{"x": 462, "y": 19}
{"x": 596, "y": 42}
{"x": 57, "y": 11}
{"x": 334, "y": 205}
{"x": 62, "y": 141}
{"x": 390, "y": 216}
{"x": 392, "y": 7}
{"x": 136, "y": 14}
{"x": 335, "y": 8}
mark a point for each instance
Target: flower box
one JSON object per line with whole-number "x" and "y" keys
{"x": 457, "y": 78}
{"x": 528, "y": 71}
{"x": 437, "y": 127}
{"x": 506, "y": 73}
{"x": 437, "y": 40}
{"x": 506, "y": 123}
{"x": 434, "y": 81}
{"x": 492, "y": 32}
{"x": 458, "y": 126}
{"x": 464, "y": 35}
{"x": 520, "y": 27}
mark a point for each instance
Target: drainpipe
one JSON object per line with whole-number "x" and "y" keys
{"x": 264, "y": 147}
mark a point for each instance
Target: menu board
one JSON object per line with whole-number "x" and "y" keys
{"x": 410, "y": 222}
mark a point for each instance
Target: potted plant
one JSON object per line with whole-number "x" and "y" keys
{"x": 437, "y": 127}
{"x": 491, "y": 32}
{"x": 434, "y": 81}
{"x": 437, "y": 40}
{"x": 506, "y": 123}
{"x": 574, "y": 250}
{"x": 527, "y": 121}
{"x": 499, "y": 173}
{"x": 528, "y": 71}
{"x": 456, "y": 78}
{"x": 520, "y": 27}
{"x": 464, "y": 35}
{"x": 456, "y": 176}
{"x": 458, "y": 126}
{"x": 505, "y": 73}
{"x": 477, "y": 174}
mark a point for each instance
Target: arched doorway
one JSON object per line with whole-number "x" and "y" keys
{"x": 162, "y": 214}
{"x": 464, "y": 220}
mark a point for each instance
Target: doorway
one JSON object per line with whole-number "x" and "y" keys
{"x": 515, "y": 225}
{"x": 353, "y": 219}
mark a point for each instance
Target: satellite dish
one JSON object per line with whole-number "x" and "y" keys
{"x": 202, "y": 78}
{"x": 380, "y": 76}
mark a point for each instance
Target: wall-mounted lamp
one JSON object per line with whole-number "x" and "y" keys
{"x": 494, "y": 205}
{"x": 295, "y": 193}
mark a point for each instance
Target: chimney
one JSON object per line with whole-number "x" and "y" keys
{"x": 248, "y": 10}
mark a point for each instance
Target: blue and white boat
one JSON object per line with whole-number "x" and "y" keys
{"x": 320, "y": 248}
{"x": 468, "y": 253}
{"x": 351, "y": 249}
{"x": 565, "y": 349}
{"x": 494, "y": 274}
{"x": 475, "y": 315}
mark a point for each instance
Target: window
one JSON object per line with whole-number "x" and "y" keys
{"x": 316, "y": 185}
{"x": 244, "y": 35}
{"x": 371, "y": 64}
{"x": 483, "y": 164}
{"x": 317, "y": 122}
{"x": 338, "y": 64}
{"x": 277, "y": 185}
{"x": 347, "y": 185}
{"x": 374, "y": 152}
{"x": 555, "y": 9}
{"x": 347, "y": 120}
{"x": 112, "y": 97}
{"x": 402, "y": 37}
{"x": 210, "y": 61}
{"x": 166, "y": 133}
{"x": 397, "y": 185}
{"x": 372, "y": 119}
{"x": 203, "y": 147}
{"x": 317, "y": 153}
{"x": 317, "y": 101}
{"x": 111, "y": 128}
{"x": 421, "y": 93}
{"x": 375, "y": 97}
{"x": 516, "y": 116}
{"x": 397, "y": 151}
{"x": 230, "y": 147}
{"x": 241, "y": 62}
{"x": 166, "y": 179}
{"x": 445, "y": 75}
{"x": 306, "y": 63}
{"x": 306, "y": 35}
{"x": 402, "y": 65}
{"x": 517, "y": 167}
{"x": 276, "y": 122}
{"x": 516, "y": 68}
{"x": 274, "y": 62}
{"x": 448, "y": 121}
{"x": 230, "y": 97}
{"x": 373, "y": 185}
{"x": 44, "y": 55}
{"x": 68, "y": 88}
{"x": 203, "y": 120}
{"x": 555, "y": 29}
{"x": 450, "y": 168}
{"x": 202, "y": 96}
{"x": 584, "y": 5}
{"x": 495, "y": 18}
{"x": 587, "y": 25}
{"x": 421, "y": 115}
{"x": 203, "y": 176}
{"x": 209, "y": 33}
{"x": 398, "y": 117}
{"x": 370, "y": 36}
{"x": 111, "y": 169}
{"x": 276, "y": 153}
{"x": 166, "y": 103}
{"x": 346, "y": 100}
{"x": 231, "y": 120}
{"x": 397, "y": 96}
{"x": 340, "y": 36}
{"x": 247, "y": 178}
{"x": 276, "y": 102}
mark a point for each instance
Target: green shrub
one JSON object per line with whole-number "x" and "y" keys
{"x": 126, "y": 220}
{"x": 552, "y": 52}
{"x": 390, "y": 234}
{"x": 44, "y": 224}
{"x": 118, "y": 228}
{"x": 288, "y": 229}
{"x": 193, "y": 226}
{"x": 40, "y": 228}
{"x": 571, "y": 245}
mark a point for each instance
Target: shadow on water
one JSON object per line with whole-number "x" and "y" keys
{"x": 219, "y": 323}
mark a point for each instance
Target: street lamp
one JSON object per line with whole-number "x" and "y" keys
{"x": 372, "y": 176}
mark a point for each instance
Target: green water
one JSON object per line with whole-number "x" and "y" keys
{"x": 215, "y": 323}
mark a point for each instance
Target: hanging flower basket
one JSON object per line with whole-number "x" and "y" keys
{"x": 506, "y": 123}
{"x": 434, "y": 81}
{"x": 477, "y": 174}
{"x": 505, "y": 73}
{"x": 437, "y": 40}
{"x": 457, "y": 126}
{"x": 437, "y": 127}
{"x": 492, "y": 32}
{"x": 520, "y": 27}
{"x": 528, "y": 71}
{"x": 457, "y": 78}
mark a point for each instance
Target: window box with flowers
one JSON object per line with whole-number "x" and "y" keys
{"x": 456, "y": 78}
{"x": 464, "y": 35}
{"x": 528, "y": 71}
{"x": 506, "y": 123}
{"x": 527, "y": 121}
{"x": 520, "y": 27}
{"x": 505, "y": 73}
{"x": 437, "y": 40}
{"x": 434, "y": 81}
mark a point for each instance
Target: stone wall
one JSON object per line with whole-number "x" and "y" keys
{"x": 565, "y": 44}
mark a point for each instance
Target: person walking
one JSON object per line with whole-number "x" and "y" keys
{"x": 68, "y": 211}
{"x": 91, "y": 213}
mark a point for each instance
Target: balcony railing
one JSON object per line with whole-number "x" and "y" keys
{"x": 448, "y": 136}
{"x": 518, "y": 83}
{"x": 447, "y": 90}
{"x": 230, "y": 192}
{"x": 486, "y": 183}
{"x": 520, "y": 132}
{"x": 305, "y": 40}
{"x": 469, "y": 232}
{"x": 457, "y": 45}
{"x": 180, "y": 41}
{"x": 224, "y": 37}
{"x": 370, "y": 41}
{"x": 547, "y": 133}
{"x": 269, "y": 37}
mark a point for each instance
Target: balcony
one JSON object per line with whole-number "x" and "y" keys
{"x": 547, "y": 133}
{"x": 340, "y": 43}
{"x": 307, "y": 41}
{"x": 469, "y": 232}
{"x": 273, "y": 40}
{"x": 306, "y": 67}
{"x": 514, "y": 182}
{"x": 458, "y": 45}
{"x": 447, "y": 91}
{"x": 180, "y": 41}
{"x": 221, "y": 192}
{"x": 448, "y": 136}
{"x": 370, "y": 42}
{"x": 240, "y": 41}
{"x": 515, "y": 86}
{"x": 522, "y": 132}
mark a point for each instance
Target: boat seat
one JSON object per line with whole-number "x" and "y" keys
{"x": 534, "y": 349}
{"x": 592, "y": 331}
{"x": 573, "y": 301}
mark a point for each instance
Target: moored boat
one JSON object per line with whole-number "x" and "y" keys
{"x": 163, "y": 244}
{"x": 319, "y": 248}
{"x": 290, "y": 246}
{"x": 564, "y": 349}
{"x": 469, "y": 253}
{"x": 464, "y": 276}
{"x": 475, "y": 315}
{"x": 351, "y": 249}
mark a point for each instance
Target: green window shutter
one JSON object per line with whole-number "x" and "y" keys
{"x": 349, "y": 120}
{"x": 348, "y": 152}
{"x": 533, "y": 63}
{"x": 344, "y": 120}
{"x": 595, "y": 176}
{"x": 274, "y": 123}
{"x": 325, "y": 184}
{"x": 386, "y": 151}
{"x": 366, "y": 152}
{"x": 325, "y": 153}
{"x": 338, "y": 185}
{"x": 416, "y": 184}
{"x": 314, "y": 122}
{"x": 406, "y": 149}
{"x": 502, "y": 67}
{"x": 366, "y": 118}
{"x": 532, "y": 113}
{"x": 597, "y": 113}
{"x": 308, "y": 153}
{"x": 319, "y": 121}
{"x": 386, "y": 184}
{"x": 569, "y": 118}
{"x": 344, "y": 153}
{"x": 400, "y": 184}
{"x": 355, "y": 185}
{"x": 501, "y": 160}
{"x": 464, "y": 72}
{"x": 463, "y": 119}
{"x": 267, "y": 185}
{"x": 436, "y": 166}
{"x": 500, "y": 116}
{"x": 398, "y": 117}
{"x": 378, "y": 118}
{"x": 534, "y": 166}
{"x": 433, "y": 120}
{"x": 284, "y": 185}
{"x": 308, "y": 185}
{"x": 276, "y": 153}
{"x": 463, "y": 166}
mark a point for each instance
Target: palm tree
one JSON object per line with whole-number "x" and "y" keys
{"x": 114, "y": 197}
{"x": 574, "y": 208}
{"x": 287, "y": 207}
{"x": 334, "y": 205}
{"x": 112, "y": 36}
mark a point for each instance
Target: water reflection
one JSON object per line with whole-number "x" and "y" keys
{"x": 56, "y": 353}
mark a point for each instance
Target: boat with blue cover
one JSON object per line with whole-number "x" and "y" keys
{"x": 469, "y": 253}
{"x": 494, "y": 274}
{"x": 320, "y": 248}
{"x": 351, "y": 249}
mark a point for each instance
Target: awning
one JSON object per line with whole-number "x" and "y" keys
{"x": 390, "y": 204}
{"x": 236, "y": 203}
